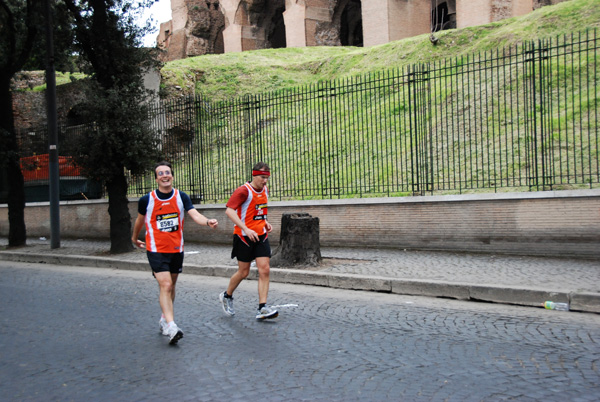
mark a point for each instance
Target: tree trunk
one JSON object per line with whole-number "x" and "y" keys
{"x": 120, "y": 219}
{"x": 17, "y": 233}
{"x": 299, "y": 241}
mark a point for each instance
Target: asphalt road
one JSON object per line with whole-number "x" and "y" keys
{"x": 91, "y": 334}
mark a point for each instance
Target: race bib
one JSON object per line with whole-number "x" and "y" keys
{"x": 261, "y": 212}
{"x": 168, "y": 222}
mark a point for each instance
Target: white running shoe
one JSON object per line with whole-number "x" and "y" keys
{"x": 163, "y": 326}
{"x": 174, "y": 333}
{"x": 227, "y": 303}
{"x": 266, "y": 312}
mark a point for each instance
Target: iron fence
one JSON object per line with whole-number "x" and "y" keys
{"x": 519, "y": 119}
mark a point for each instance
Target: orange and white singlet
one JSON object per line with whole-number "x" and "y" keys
{"x": 251, "y": 208}
{"x": 164, "y": 224}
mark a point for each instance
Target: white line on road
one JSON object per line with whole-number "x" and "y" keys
{"x": 285, "y": 305}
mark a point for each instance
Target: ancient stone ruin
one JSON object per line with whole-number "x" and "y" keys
{"x": 202, "y": 27}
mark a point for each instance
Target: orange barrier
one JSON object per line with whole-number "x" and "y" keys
{"x": 36, "y": 167}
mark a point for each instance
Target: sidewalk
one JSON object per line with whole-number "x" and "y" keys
{"x": 520, "y": 280}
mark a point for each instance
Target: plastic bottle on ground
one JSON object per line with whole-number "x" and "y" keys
{"x": 556, "y": 306}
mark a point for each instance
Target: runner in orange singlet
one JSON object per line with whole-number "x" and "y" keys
{"x": 247, "y": 209}
{"x": 162, "y": 212}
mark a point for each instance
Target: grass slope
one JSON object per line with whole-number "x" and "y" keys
{"x": 224, "y": 76}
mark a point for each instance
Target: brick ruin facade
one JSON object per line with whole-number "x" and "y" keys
{"x": 202, "y": 27}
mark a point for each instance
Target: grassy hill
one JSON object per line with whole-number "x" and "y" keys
{"x": 224, "y": 76}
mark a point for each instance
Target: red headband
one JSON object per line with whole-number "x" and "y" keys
{"x": 260, "y": 173}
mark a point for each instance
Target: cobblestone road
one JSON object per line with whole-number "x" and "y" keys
{"x": 87, "y": 334}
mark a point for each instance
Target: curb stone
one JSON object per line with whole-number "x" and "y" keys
{"x": 579, "y": 301}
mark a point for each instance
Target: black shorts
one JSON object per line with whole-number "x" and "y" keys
{"x": 165, "y": 262}
{"x": 246, "y": 250}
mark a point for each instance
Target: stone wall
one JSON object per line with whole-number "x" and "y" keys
{"x": 29, "y": 108}
{"x": 560, "y": 223}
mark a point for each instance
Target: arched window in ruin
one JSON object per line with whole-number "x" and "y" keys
{"x": 265, "y": 19}
{"x": 219, "y": 46}
{"x": 276, "y": 29}
{"x": 70, "y": 135}
{"x": 241, "y": 14}
{"x": 75, "y": 117}
{"x": 217, "y": 25}
{"x": 443, "y": 15}
{"x": 351, "y": 31}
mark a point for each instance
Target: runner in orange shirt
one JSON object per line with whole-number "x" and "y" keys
{"x": 162, "y": 211}
{"x": 247, "y": 209}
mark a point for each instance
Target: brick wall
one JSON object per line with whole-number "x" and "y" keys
{"x": 558, "y": 223}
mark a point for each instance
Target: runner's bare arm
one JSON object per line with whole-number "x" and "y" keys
{"x": 201, "y": 219}
{"x": 137, "y": 227}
